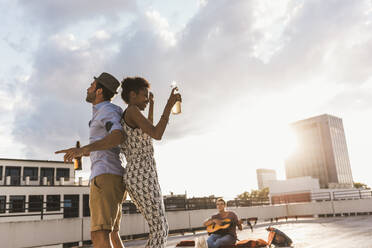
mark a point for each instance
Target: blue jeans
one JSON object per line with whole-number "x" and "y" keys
{"x": 217, "y": 240}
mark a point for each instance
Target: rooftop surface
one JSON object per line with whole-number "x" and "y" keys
{"x": 340, "y": 232}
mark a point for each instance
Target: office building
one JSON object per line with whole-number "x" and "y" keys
{"x": 321, "y": 152}
{"x": 264, "y": 176}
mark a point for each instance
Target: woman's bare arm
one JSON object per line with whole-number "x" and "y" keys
{"x": 134, "y": 116}
{"x": 151, "y": 108}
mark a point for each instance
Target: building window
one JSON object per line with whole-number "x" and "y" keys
{"x": 17, "y": 203}
{"x": 49, "y": 174}
{"x": 2, "y": 204}
{"x": 53, "y": 203}
{"x": 15, "y": 175}
{"x": 35, "y": 203}
{"x": 1, "y": 173}
{"x": 62, "y": 172}
{"x": 86, "y": 209}
{"x": 71, "y": 206}
{"x": 30, "y": 172}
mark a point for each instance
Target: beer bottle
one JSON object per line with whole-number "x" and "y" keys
{"x": 176, "y": 109}
{"x": 77, "y": 160}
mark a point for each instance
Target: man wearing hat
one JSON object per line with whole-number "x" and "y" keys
{"x": 107, "y": 190}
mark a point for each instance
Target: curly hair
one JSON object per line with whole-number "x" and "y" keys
{"x": 132, "y": 84}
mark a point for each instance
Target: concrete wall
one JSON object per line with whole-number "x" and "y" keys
{"x": 37, "y": 233}
{"x": 261, "y": 212}
{"x": 49, "y": 232}
{"x": 356, "y": 206}
{"x": 310, "y": 208}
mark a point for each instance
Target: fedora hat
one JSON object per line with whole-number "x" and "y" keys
{"x": 109, "y": 81}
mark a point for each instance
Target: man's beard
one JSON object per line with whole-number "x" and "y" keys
{"x": 91, "y": 97}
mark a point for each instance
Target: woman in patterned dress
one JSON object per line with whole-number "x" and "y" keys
{"x": 141, "y": 176}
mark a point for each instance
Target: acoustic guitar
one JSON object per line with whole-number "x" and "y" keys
{"x": 215, "y": 227}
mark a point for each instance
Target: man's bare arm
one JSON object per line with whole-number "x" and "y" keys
{"x": 210, "y": 221}
{"x": 113, "y": 139}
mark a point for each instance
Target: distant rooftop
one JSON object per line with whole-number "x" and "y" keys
{"x": 265, "y": 170}
{"x": 34, "y": 160}
{"x": 314, "y": 118}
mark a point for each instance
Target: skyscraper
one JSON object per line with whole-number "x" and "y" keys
{"x": 321, "y": 152}
{"x": 263, "y": 176}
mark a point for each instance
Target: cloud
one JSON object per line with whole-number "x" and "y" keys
{"x": 63, "y": 68}
{"x": 320, "y": 36}
{"x": 227, "y": 51}
{"x": 102, "y": 35}
{"x": 52, "y": 16}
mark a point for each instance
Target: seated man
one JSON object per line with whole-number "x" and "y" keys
{"x": 224, "y": 236}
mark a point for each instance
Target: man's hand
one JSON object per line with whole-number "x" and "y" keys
{"x": 72, "y": 153}
{"x": 113, "y": 139}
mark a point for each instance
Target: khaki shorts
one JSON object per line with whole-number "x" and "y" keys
{"x": 107, "y": 192}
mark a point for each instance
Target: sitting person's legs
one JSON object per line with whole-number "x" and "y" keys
{"x": 225, "y": 240}
{"x": 216, "y": 241}
{"x": 212, "y": 239}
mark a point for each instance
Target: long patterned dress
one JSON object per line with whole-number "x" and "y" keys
{"x": 142, "y": 183}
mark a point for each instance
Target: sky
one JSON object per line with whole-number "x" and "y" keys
{"x": 246, "y": 69}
